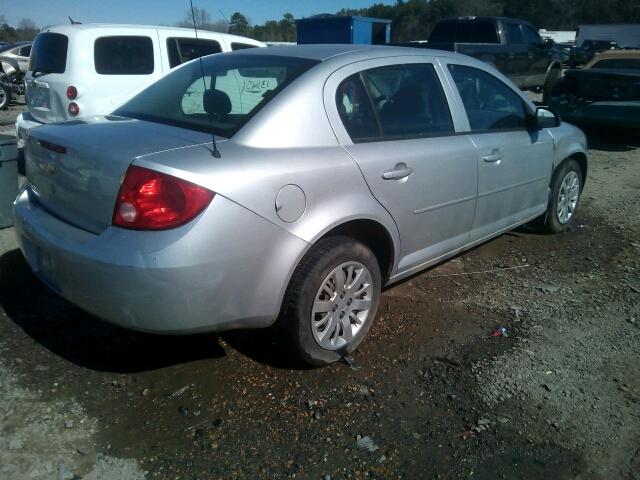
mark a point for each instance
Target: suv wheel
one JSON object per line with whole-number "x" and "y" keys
{"x": 5, "y": 97}
{"x": 331, "y": 300}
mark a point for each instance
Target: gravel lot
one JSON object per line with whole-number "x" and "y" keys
{"x": 430, "y": 394}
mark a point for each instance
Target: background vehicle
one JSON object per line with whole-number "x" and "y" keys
{"x": 512, "y": 46}
{"x": 399, "y": 159}
{"x": 14, "y": 59}
{"x": 625, "y": 35}
{"x": 579, "y": 55}
{"x": 605, "y": 92}
{"x": 86, "y": 69}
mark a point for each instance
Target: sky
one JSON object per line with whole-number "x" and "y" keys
{"x": 165, "y": 12}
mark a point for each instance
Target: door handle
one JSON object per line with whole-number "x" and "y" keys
{"x": 398, "y": 172}
{"x": 493, "y": 157}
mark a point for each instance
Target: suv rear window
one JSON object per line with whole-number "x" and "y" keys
{"x": 131, "y": 55}
{"x": 465, "y": 31}
{"x": 49, "y": 53}
{"x": 182, "y": 50}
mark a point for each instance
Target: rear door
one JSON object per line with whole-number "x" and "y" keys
{"x": 393, "y": 117}
{"x": 514, "y": 164}
{"x": 178, "y": 49}
{"x": 516, "y": 67}
{"x": 538, "y": 59}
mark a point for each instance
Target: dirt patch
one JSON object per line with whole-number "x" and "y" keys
{"x": 430, "y": 394}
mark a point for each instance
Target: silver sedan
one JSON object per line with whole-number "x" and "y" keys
{"x": 289, "y": 186}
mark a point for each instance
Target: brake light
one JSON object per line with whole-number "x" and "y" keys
{"x": 73, "y": 109}
{"x": 150, "y": 200}
{"x": 72, "y": 92}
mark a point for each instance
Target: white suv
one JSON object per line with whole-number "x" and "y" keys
{"x": 87, "y": 69}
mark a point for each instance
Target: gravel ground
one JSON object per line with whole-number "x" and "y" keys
{"x": 430, "y": 394}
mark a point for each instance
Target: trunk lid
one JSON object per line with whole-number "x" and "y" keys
{"x": 75, "y": 168}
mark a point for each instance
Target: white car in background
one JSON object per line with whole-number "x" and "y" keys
{"x": 82, "y": 70}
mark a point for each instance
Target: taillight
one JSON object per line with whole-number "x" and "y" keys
{"x": 73, "y": 109}
{"x": 150, "y": 200}
{"x": 72, "y": 92}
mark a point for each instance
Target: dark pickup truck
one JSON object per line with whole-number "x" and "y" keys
{"x": 510, "y": 45}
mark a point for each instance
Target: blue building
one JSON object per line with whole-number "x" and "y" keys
{"x": 360, "y": 30}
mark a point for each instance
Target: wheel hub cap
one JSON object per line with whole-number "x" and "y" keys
{"x": 341, "y": 306}
{"x": 568, "y": 197}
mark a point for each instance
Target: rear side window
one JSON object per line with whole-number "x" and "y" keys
{"x": 515, "y": 34}
{"x": 355, "y": 110}
{"x": 123, "y": 55}
{"x": 409, "y": 101}
{"x": 25, "y": 51}
{"x": 49, "y": 53}
{"x": 182, "y": 50}
{"x": 241, "y": 46}
{"x": 490, "y": 104}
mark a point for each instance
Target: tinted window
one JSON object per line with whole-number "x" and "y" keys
{"x": 49, "y": 53}
{"x": 25, "y": 51}
{"x": 182, "y": 50}
{"x": 465, "y": 31}
{"x": 530, "y": 36}
{"x": 515, "y": 34}
{"x": 241, "y": 46}
{"x": 235, "y": 87}
{"x": 123, "y": 55}
{"x": 408, "y": 101}
{"x": 618, "y": 63}
{"x": 355, "y": 110}
{"x": 489, "y": 103}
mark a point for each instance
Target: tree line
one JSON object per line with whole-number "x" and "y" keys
{"x": 412, "y": 19}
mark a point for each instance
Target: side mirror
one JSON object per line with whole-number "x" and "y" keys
{"x": 545, "y": 118}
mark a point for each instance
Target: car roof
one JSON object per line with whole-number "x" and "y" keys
{"x": 322, "y": 52}
{"x": 76, "y": 27}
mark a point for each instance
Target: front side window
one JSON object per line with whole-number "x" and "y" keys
{"x": 25, "y": 51}
{"x": 515, "y": 34}
{"x": 409, "y": 101}
{"x": 531, "y": 36}
{"x": 241, "y": 46}
{"x": 123, "y": 55}
{"x": 234, "y": 88}
{"x": 490, "y": 104}
{"x": 182, "y": 50}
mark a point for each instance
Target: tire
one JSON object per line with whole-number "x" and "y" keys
{"x": 301, "y": 323}
{"x": 5, "y": 97}
{"x": 553, "y": 221}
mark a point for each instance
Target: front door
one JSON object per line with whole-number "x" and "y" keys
{"x": 402, "y": 136}
{"x": 514, "y": 163}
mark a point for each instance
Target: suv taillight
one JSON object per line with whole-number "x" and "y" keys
{"x": 150, "y": 200}
{"x": 72, "y": 92}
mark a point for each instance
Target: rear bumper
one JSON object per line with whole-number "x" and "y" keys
{"x": 25, "y": 122}
{"x": 227, "y": 269}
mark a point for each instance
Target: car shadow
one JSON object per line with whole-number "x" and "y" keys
{"x": 83, "y": 339}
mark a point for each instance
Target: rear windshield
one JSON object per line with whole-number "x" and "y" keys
{"x": 618, "y": 63}
{"x": 123, "y": 55}
{"x": 465, "y": 31}
{"x": 49, "y": 53}
{"x": 234, "y": 88}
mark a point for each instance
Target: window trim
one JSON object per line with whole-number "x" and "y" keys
{"x": 527, "y": 108}
{"x": 153, "y": 56}
{"x": 390, "y": 138}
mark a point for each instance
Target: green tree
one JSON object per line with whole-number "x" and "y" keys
{"x": 239, "y": 25}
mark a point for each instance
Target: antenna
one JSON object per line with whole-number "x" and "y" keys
{"x": 215, "y": 153}
{"x": 73, "y": 22}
